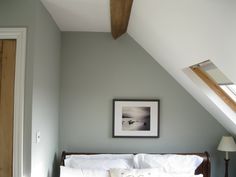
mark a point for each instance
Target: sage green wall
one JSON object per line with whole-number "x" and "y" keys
{"x": 96, "y": 69}
{"x": 42, "y": 81}
{"x": 45, "y": 105}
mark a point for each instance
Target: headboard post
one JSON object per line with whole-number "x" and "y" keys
{"x": 205, "y": 167}
{"x": 63, "y": 157}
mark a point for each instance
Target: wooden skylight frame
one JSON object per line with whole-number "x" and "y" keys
{"x": 204, "y": 76}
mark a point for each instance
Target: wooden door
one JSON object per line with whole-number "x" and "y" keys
{"x": 7, "y": 79}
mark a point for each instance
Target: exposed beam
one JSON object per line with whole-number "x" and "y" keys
{"x": 120, "y": 13}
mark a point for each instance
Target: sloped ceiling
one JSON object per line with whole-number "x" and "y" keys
{"x": 181, "y": 33}
{"x": 177, "y": 34}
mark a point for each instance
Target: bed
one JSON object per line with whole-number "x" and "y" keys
{"x": 204, "y": 168}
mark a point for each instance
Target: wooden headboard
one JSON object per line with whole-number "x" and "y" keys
{"x": 204, "y": 168}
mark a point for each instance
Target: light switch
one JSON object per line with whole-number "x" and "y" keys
{"x": 38, "y": 137}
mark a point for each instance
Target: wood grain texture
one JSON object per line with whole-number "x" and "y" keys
{"x": 204, "y": 168}
{"x": 215, "y": 87}
{"x": 7, "y": 106}
{"x": 1, "y": 48}
{"x": 120, "y": 12}
{"x": 1, "y": 41}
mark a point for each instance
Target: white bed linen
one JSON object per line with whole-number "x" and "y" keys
{"x": 100, "y": 164}
{"x": 102, "y": 156}
{"x": 169, "y": 163}
{"x": 146, "y": 173}
{"x": 100, "y": 161}
{"x": 71, "y": 172}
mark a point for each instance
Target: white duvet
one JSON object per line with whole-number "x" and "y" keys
{"x": 72, "y": 172}
{"x": 152, "y": 172}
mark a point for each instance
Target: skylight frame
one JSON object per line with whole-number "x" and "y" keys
{"x": 229, "y": 90}
{"x": 213, "y": 85}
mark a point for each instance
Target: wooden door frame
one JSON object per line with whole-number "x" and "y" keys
{"x": 19, "y": 34}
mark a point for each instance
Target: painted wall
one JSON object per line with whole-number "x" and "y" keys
{"x": 97, "y": 69}
{"x": 21, "y": 14}
{"x": 45, "y": 105}
{"x": 42, "y": 80}
{"x": 91, "y": 79}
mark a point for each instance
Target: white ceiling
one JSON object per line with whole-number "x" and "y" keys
{"x": 177, "y": 34}
{"x": 80, "y": 15}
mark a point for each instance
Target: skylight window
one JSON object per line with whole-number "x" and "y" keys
{"x": 230, "y": 89}
{"x": 217, "y": 81}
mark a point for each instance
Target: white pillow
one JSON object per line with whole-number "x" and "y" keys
{"x": 71, "y": 172}
{"x": 169, "y": 163}
{"x": 102, "y": 156}
{"x": 100, "y": 164}
{"x": 152, "y": 172}
{"x": 177, "y": 175}
{"x": 133, "y": 173}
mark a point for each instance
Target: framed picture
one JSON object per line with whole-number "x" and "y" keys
{"x": 136, "y": 118}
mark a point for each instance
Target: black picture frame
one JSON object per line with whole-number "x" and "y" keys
{"x": 136, "y": 118}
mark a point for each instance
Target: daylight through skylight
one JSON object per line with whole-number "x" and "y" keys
{"x": 230, "y": 89}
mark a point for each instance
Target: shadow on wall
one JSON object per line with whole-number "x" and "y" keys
{"x": 55, "y": 167}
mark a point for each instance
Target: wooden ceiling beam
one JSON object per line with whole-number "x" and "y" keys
{"x": 120, "y": 13}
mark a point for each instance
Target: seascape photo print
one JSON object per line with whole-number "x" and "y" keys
{"x": 136, "y": 118}
{"x": 133, "y": 118}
